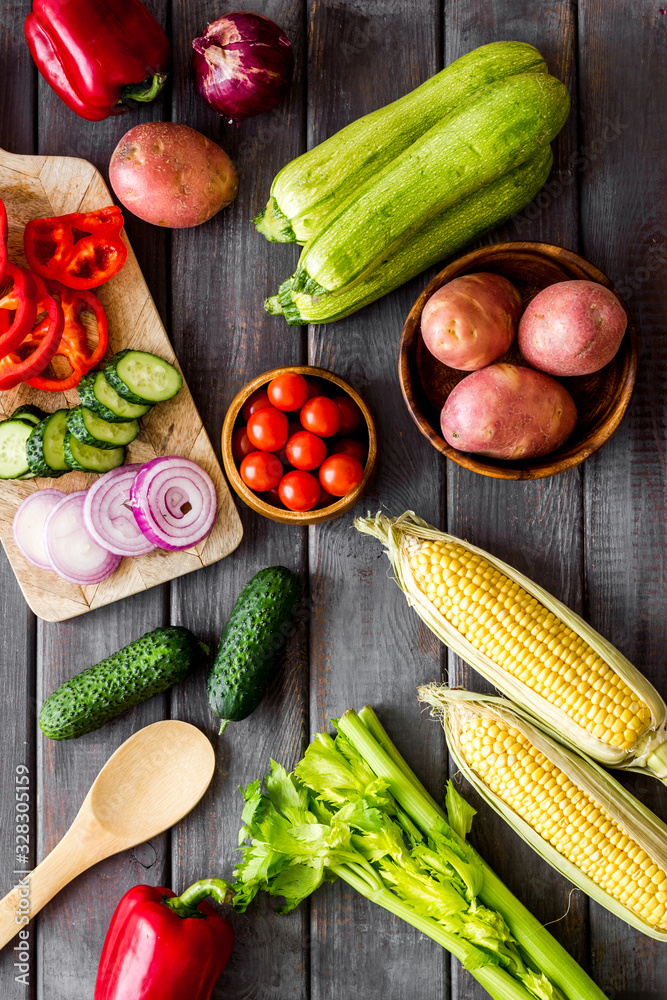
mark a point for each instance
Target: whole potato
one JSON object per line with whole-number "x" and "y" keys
{"x": 170, "y": 175}
{"x": 471, "y": 321}
{"x": 505, "y": 411}
{"x": 572, "y": 328}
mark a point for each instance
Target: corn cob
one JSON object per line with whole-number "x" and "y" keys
{"x": 574, "y": 814}
{"x": 529, "y": 645}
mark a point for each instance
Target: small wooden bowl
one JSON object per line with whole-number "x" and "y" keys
{"x": 254, "y": 500}
{"x": 601, "y": 398}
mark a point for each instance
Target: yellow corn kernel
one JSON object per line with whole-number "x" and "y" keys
{"x": 522, "y": 637}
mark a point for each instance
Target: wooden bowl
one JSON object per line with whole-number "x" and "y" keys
{"x": 255, "y": 500}
{"x": 601, "y": 398}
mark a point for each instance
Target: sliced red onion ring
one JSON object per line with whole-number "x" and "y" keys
{"x": 108, "y": 515}
{"x": 174, "y": 502}
{"x": 73, "y": 553}
{"x": 28, "y": 525}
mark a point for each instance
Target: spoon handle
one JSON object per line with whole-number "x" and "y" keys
{"x": 35, "y": 890}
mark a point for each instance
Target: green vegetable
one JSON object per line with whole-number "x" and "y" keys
{"x": 463, "y": 222}
{"x": 142, "y": 378}
{"x": 89, "y": 428}
{"x": 352, "y": 809}
{"x": 28, "y": 414}
{"x": 14, "y": 436}
{"x": 138, "y": 671}
{"x": 87, "y": 458}
{"x": 502, "y": 126}
{"x": 96, "y": 393}
{"x": 46, "y": 446}
{"x": 312, "y": 187}
{"x": 253, "y": 636}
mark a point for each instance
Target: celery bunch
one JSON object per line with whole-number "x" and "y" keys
{"x": 353, "y": 810}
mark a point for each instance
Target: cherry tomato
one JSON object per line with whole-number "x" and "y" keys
{"x": 350, "y": 446}
{"x": 241, "y": 444}
{"x": 305, "y": 450}
{"x": 299, "y": 490}
{"x": 321, "y": 416}
{"x": 316, "y": 386}
{"x": 257, "y": 401}
{"x": 292, "y": 429}
{"x": 339, "y": 474}
{"x": 326, "y": 500}
{"x": 350, "y": 414}
{"x": 261, "y": 471}
{"x": 273, "y": 496}
{"x": 288, "y": 391}
{"x": 267, "y": 429}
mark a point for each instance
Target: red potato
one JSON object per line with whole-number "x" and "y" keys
{"x": 471, "y": 321}
{"x": 169, "y": 175}
{"x": 572, "y": 328}
{"x": 505, "y": 411}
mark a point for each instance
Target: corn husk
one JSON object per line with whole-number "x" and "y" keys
{"x": 648, "y": 755}
{"x": 635, "y": 819}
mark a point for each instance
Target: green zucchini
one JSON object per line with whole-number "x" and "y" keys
{"x": 140, "y": 377}
{"x": 87, "y": 458}
{"x": 14, "y": 436}
{"x": 312, "y": 187}
{"x": 46, "y": 446}
{"x": 29, "y": 414}
{"x": 461, "y": 224}
{"x": 146, "y": 667}
{"x": 499, "y": 128}
{"x": 96, "y": 393}
{"x": 88, "y": 428}
{"x": 253, "y": 636}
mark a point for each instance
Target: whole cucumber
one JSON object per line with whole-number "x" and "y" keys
{"x": 250, "y": 643}
{"x": 135, "y": 673}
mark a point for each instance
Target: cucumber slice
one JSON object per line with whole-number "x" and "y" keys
{"x": 86, "y": 458}
{"x": 45, "y": 449}
{"x": 96, "y": 393}
{"x": 28, "y": 414}
{"x": 88, "y": 428}
{"x": 142, "y": 378}
{"x": 14, "y": 436}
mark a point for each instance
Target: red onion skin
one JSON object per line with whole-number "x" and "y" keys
{"x": 243, "y": 65}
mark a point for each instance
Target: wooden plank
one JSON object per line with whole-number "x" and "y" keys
{"x": 17, "y": 624}
{"x": 73, "y": 926}
{"x": 67, "y": 184}
{"x": 366, "y": 644}
{"x": 534, "y": 526}
{"x": 221, "y": 273}
{"x": 624, "y": 222}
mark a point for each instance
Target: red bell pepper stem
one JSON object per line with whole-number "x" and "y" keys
{"x": 187, "y": 904}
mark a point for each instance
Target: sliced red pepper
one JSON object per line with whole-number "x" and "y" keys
{"x": 26, "y": 363}
{"x": 81, "y": 250}
{"x": 73, "y": 346}
{"x": 18, "y": 307}
{"x": 4, "y": 232}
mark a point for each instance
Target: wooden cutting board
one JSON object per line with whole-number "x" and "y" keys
{"x": 36, "y": 186}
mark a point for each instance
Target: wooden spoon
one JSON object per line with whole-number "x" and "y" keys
{"x": 151, "y": 782}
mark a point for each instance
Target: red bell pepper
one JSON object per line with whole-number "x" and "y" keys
{"x": 73, "y": 346}
{"x": 3, "y": 238}
{"x": 81, "y": 250}
{"x": 25, "y": 363}
{"x": 97, "y": 53}
{"x": 18, "y": 307}
{"x": 163, "y": 947}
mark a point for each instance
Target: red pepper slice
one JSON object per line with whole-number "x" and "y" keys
{"x": 162, "y": 947}
{"x": 3, "y": 238}
{"x": 95, "y": 53}
{"x": 18, "y": 307}
{"x": 74, "y": 346}
{"x": 26, "y": 363}
{"x": 81, "y": 250}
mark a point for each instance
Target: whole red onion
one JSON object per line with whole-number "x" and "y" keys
{"x": 243, "y": 65}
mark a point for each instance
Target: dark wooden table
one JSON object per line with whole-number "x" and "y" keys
{"x": 595, "y": 537}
